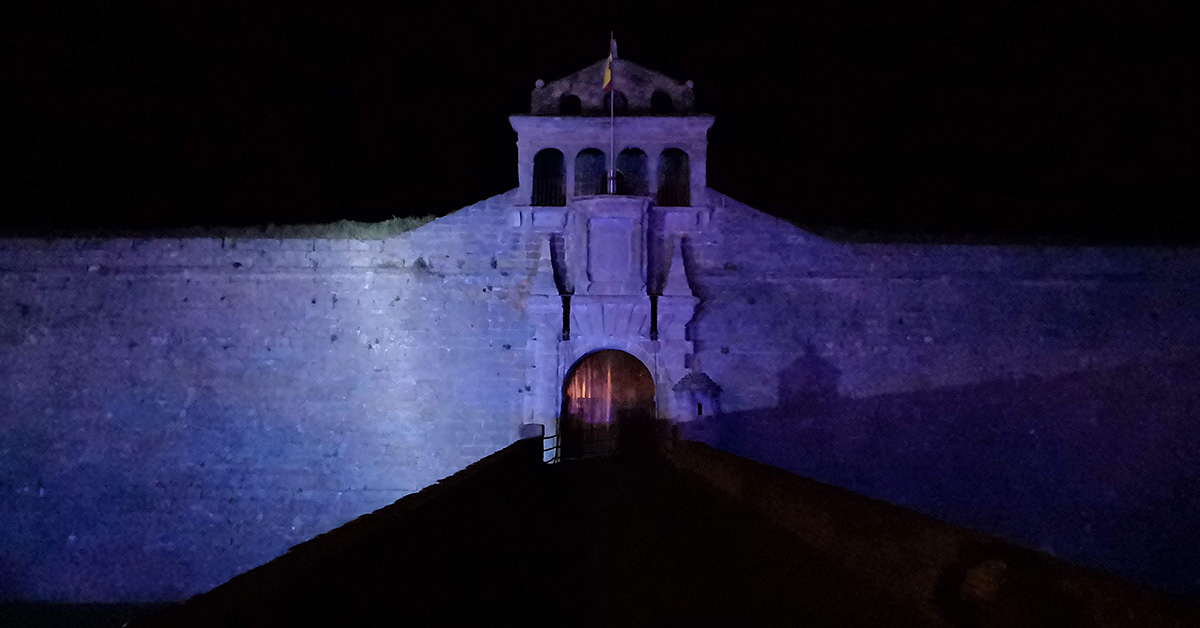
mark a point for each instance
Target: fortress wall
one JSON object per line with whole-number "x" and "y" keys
{"x": 1046, "y": 394}
{"x": 178, "y": 411}
{"x": 894, "y": 318}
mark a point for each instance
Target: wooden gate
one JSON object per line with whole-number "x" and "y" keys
{"x": 608, "y": 407}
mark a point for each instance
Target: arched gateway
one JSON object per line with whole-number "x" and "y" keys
{"x": 610, "y": 295}
{"x": 608, "y": 406}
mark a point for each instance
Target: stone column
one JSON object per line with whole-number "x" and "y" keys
{"x": 525, "y": 154}
{"x": 541, "y": 403}
{"x": 697, "y": 158}
{"x": 653, "y": 153}
{"x": 569, "y": 153}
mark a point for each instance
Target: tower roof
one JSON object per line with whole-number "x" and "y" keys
{"x": 637, "y": 89}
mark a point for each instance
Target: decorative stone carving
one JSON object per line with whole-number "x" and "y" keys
{"x": 677, "y": 281}
{"x": 543, "y": 278}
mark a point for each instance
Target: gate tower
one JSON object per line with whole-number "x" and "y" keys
{"x": 612, "y": 270}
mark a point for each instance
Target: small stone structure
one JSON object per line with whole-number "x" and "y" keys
{"x": 176, "y": 411}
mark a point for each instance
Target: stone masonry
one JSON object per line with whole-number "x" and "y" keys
{"x": 176, "y": 411}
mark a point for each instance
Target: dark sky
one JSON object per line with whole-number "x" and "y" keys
{"x": 1012, "y": 119}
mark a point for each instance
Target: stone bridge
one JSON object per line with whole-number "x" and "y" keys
{"x": 693, "y": 536}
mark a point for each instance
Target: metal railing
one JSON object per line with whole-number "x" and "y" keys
{"x": 552, "y": 448}
{"x": 549, "y": 191}
{"x": 674, "y": 195}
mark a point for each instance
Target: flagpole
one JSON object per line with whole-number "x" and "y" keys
{"x": 612, "y": 146}
{"x": 612, "y": 127}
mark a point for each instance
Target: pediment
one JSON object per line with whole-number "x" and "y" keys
{"x": 636, "y": 83}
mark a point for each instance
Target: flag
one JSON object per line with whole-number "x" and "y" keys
{"x": 612, "y": 54}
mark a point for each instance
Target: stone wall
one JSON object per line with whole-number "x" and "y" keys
{"x": 1044, "y": 394}
{"x": 177, "y": 411}
{"x": 173, "y": 412}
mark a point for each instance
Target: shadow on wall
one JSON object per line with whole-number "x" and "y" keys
{"x": 809, "y": 382}
{"x": 1095, "y": 466}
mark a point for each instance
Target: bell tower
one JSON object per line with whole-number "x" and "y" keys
{"x": 612, "y": 262}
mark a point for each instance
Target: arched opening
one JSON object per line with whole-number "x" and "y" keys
{"x": 590, "y": 169}
{"x": 620, "y": 104}
{"x": 608, "y": 407}
{"x": 631, "y": 163}
{"x": 569, "y": 105}
{"x": 674, "y": 179}
{"x": 549, "y": 184}
{"x": 660, "y": 103}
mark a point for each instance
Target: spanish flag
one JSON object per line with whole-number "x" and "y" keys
{"x": 612, "y": 54}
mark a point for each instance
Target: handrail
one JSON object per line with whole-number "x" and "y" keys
{"x": 551, "y": 448}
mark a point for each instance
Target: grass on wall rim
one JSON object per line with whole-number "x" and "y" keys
{"x": 339, "y": 230}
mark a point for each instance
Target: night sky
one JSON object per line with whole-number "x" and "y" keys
{"x": 1008, "y": 120}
